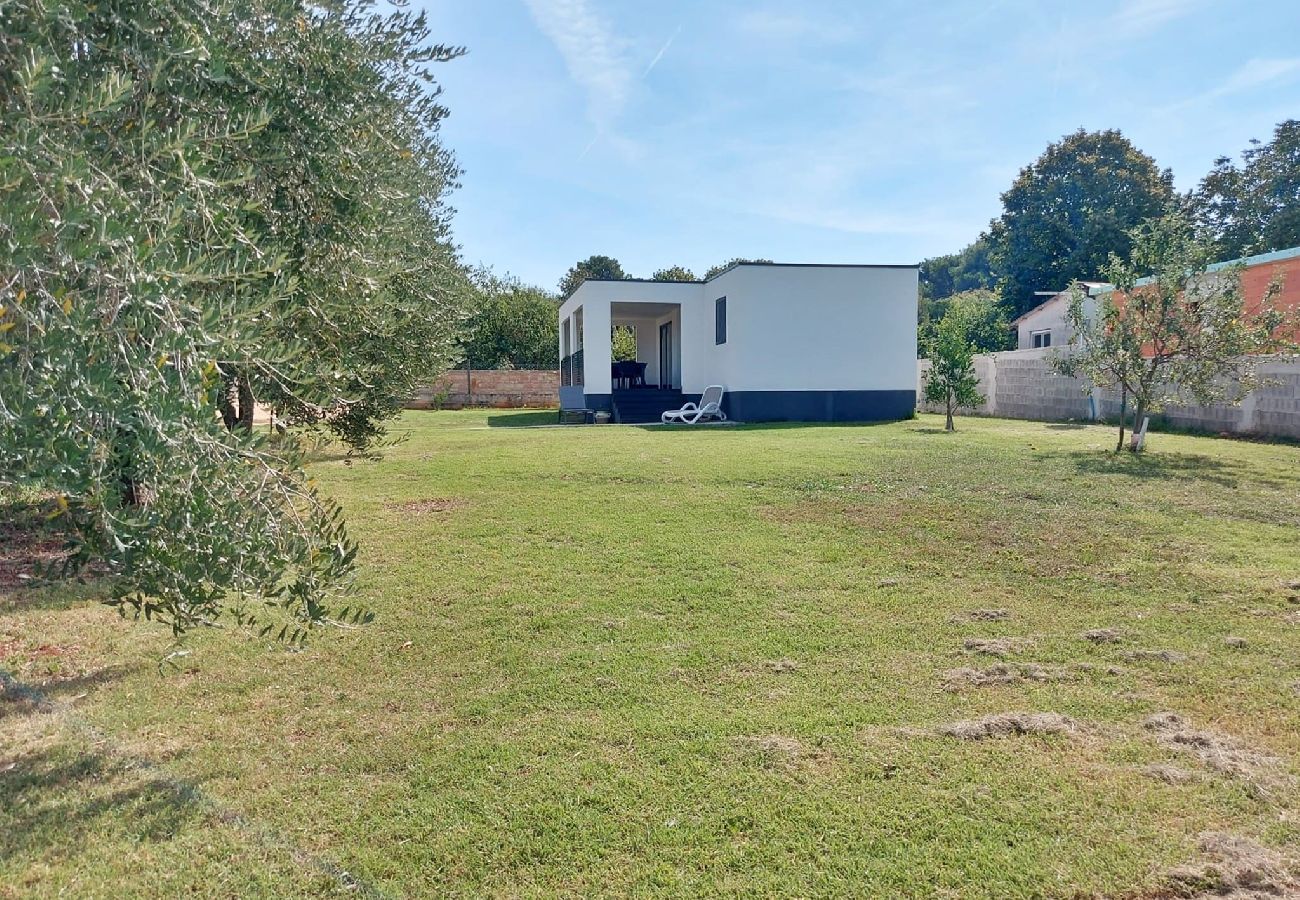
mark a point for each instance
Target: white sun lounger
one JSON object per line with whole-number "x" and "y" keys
{"x": 710, "y": 407}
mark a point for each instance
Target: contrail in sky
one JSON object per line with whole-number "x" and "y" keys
{"x": 662, "y": 50}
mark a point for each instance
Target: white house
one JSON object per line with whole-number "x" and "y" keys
{"x": 788, "y": 342}
{"x": 1047, "y": 325}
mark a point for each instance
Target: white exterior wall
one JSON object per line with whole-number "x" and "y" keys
{"x": 816, "y": 328}
{"x": 1051, "y": 316}
{"x": 1048, "y": 317}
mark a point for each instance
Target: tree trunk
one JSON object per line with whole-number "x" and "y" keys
{"x": 237, "y": 402}
{"x": 1138, "y": 412}
{"x": 246, "y": 403}
{"x": 227, "y": 403}
{"x": 1123, "y": 411}
{"x": 948, "y": 425}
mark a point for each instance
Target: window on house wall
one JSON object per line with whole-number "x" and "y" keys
{"x": 1041, "y": 339}
{"x": 720, "y": 320}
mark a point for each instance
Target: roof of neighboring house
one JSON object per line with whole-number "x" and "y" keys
{"x": 1092, "y": 287}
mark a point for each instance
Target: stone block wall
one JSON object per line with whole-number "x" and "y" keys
{"x": 1021, "y": 384}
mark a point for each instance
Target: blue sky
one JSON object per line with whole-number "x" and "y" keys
{"x": 687, "y": 133}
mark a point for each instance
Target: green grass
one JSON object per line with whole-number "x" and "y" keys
{"x": 692, "y": 662}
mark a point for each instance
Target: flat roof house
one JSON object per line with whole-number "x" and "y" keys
{"x": 788, "y": 342}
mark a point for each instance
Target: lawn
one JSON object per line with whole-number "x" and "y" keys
{"x": 651, "y": 661}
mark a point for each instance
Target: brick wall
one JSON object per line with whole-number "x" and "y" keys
{"x": 501, "y": 388}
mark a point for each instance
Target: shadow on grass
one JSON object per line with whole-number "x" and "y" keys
{"x": 58, "y": 798}
{"x": 1066, "y": 426}
{"x": 19, "y": 698}
{"x": 56, "y": 594}
{"x": 1162, "y": 466}
{"x": 58, "y": 794}
{"x": 523, "y": 419}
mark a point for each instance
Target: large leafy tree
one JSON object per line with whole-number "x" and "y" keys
{"x": 980, "y": 316}
{"x": 199, "y": 206}
{"x": 1070, "y": 210}
{"x": 735, "y": 260}
{"x": 970, "y": 269}
{"x": 1171, "y": 330}
{"x": 673, "y": 273}
{"x": 512, "y": 325}
{"x": 349, "y": 187}
{"x": 1254, "y": 207}
{"x": 601, "y": 267}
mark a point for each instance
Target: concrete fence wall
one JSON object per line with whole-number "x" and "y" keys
{"x": 1021, "y": 384}
{"x": 501, "y": 388}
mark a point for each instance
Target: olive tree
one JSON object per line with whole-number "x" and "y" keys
{"x": 203, "y": 206}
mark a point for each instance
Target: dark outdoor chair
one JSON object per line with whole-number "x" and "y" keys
{"x": 631, "y": 372}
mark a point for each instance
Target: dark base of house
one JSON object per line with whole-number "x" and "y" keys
{"x": 819, "y": 406}
{"x": 784, "y": 406}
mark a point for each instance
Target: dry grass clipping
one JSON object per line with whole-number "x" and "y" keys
{"x": 1169, "y": 774}
{"x": 427, "y": 506}
{"x": 1009, "y": 724}
{"x": 999, "y": 647}
{"x": 1166, "y": 656}
{"x": 783, "y": 750}
{"x": 1002, "y": 673}
{"x": 1218, "y": 752}
{"x": 988, "y": 615}
{"x": 1239, "y": 869}
{"x": 1102, "y": 636}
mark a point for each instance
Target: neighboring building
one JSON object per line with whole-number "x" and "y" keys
{"x": 1261, "y": 270}
{"x": 788, "y": 342}
{"x": 1046, "y": 326}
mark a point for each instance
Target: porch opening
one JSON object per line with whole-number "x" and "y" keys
{"x": 646, "y": 345}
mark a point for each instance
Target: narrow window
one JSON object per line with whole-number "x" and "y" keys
{"x": 720, "y": 320}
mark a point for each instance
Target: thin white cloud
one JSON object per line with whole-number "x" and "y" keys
{"x": 1257, "y": 73}
{"x": 595, "y": 56}
{"x": 1251, "y": 75}
{"x": 783, "y": 25}
{"x": 662, "y": 50}
{"x": 1136, "y": 18}
{"x": 860, "y": 222}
